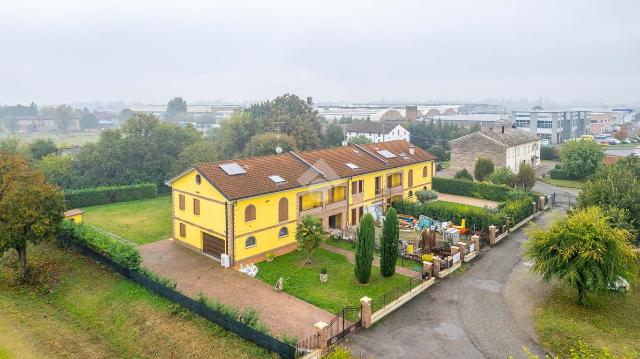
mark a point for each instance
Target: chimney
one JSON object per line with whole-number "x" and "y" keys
{"x": 502, "y": 128}
{"x": 412, "y": 150}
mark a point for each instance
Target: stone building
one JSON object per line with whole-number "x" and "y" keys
{"x": 506, "y": 147}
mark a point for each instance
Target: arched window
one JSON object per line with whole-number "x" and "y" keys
{"x": 198, "y": 179}
{"x": 284, "y": 231}
{"x": 250, "y": 213}
{"x": 425, "y": 171}
{"x": 410, "y": 193}
{"x": 250, "y": 242}
{"x": 410, "y": 181}
{"x": 283, "y": 209}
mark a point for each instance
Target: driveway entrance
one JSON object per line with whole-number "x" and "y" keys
{"x": 196, "y": 273}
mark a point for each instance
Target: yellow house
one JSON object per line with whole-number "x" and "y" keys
{"x": 249, "y": 207}
{"x": 74, "y": 215}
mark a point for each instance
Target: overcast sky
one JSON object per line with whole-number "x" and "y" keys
{"x": 69, "y": 51}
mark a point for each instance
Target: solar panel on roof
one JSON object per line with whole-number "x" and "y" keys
{"x": 232, "y": 168}
{"x": 353, "y": 166}
{"x": 277, "y": 179}
{"x": 386, "y": 154}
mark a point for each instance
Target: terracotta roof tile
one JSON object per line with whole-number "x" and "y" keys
{"x": 304, "y": 168}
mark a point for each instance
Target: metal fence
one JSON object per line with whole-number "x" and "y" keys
{"x": 392, "y": 295}
{"x": 243, "y": 330}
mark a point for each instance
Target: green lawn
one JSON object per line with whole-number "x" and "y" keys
{"x": 610, "y": 320}
{"x": 400, "y": 262}
{"x": 342, "y": 289}
{"x": 69, "y": 139}
{"x": 74, "y": 308}
{"x": 563, "y": 183}
{"x": 141, "y": 222}
{"x": 623, "y": 146}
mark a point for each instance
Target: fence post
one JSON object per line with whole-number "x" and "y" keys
{"x": 535, "y": 208}
{"x": 492, "y": 234}
{"x": 322, "y": 329}
{"x": 455, "y": 250}
{"x": 427, "y": 267}
{"x": 365, "y": 311}
{"x": 475, "y": 239}
{"x": 543, "y": 202}
{"x": 464, "y": 248}
{"x": 436, "y": 266}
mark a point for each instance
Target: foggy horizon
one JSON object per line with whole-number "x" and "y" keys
{"x": 342, "y": 52}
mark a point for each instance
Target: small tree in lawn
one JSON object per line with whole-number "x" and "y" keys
{"x": 389, "y": 243}
{"x": 366, "y": 234}
{"x": 309, "y": 235}
{"x": 584, "y": 250}
{"x": 526, "y": 177}
{"x": 30, "y": 208}
{"x": 483, "y": 169}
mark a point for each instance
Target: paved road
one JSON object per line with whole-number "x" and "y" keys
{"x": 485, "y": 312}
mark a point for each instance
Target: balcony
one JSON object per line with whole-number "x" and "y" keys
{"x": 329, "y": 206}
{"x": 395, "y": 191}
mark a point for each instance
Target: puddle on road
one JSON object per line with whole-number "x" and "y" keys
{"x": 485, "y": 284}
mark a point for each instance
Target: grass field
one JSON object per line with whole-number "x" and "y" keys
{"x": 69, "y": 139}
{"x": 610, "y": 320}
{"x": 342, "y": 289}
{"x": 141, "y": 222}
{"x": 351, "y": 247}
{"x": 623, "y": 146}
{"x": 74, "y": 308}
{"x": 563, "y": 183}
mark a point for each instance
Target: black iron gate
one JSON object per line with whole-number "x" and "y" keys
{"x": 346, "y": 322}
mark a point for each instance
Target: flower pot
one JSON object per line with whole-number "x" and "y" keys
{"x": 324, "y": 277}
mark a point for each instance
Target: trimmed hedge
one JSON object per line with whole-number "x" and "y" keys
{"x": 559, "y": 173}
{"x": 481, "y": 190}
{"x": 123, "y": 253}
{"x": 102, "y": 195}
{"x": 549, "y": 153}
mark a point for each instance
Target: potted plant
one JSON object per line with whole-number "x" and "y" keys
{"x": 269, "y": 256}
{"x": 324, "y": 276}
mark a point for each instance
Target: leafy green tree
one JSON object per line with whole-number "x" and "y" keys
{"x": 365, "y": 234}
{"x": 42, "y": 147}
{"x": 235, "y": 132}
{"x": 198, "y": 152}
{"x": 581, "y": 159}
{"x": 310, "y": 235}
{"x": 266, "y": 143}
{"x": 57, "y": 169}
{"x": 616, "y": 187}
{"x": 503, "y": 175}
{"x": 463, "y": 174}
{"x": 526, "y": 177}
{"x": 88, "y": 120}
{"x": 30, "y": 208}
{"x": 583, "y": 250}
{"x": 434, "y": 136}
{"x": 358, "y": 140}
{"x": 483, "y": 168}
{"x": 334, "y": 135}
{"x": 176, "y": 106}
{"x": 63, "y": 115}
{"x": 11, "y": 146}
{"x": 389, "y": 243}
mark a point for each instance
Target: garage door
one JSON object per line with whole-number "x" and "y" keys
{"x": 212, "y": 246}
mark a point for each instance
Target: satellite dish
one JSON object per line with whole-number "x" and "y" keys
{"x": 278, "y": 150}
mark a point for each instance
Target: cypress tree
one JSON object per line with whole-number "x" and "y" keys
{"x": 389, "y": 244}
{"x": 364, "y": 248}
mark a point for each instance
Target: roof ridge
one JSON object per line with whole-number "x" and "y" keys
{"x": 308, "y": 164}
{"x": 367, "y": 151}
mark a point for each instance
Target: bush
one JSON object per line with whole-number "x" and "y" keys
{"x": 471, "y": 189}
{"x": 389, "y": 243}
{"x": 425, "y": 196}
{"x": 516, "y": 211}
{"x": 503, "y": 176}
{"x": 463, "y": 175}
{"x": 549, "y": 153}
{"x": 102, "y": 195}
{"x": 123, "y": 253}
{"x": 477, "y": 217}
{"x": 526, "y": 177}
{"x": 559, "y": 173}
{"x": 167, "y": 282}
{"x": 581, "y": 159}
{"x": 484, "y": 168}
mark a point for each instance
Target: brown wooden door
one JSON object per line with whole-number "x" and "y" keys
{"x": 212, "y": 246}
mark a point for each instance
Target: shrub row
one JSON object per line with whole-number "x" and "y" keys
{"x": 472, "y": 189}
{"x": 248, "y": 316}
{"x": 559, "y": 173}
{"x": 123, "y": 253}
{"x": 101, "y": 195}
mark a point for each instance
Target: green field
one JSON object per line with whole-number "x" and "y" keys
{"x": 342, "y": 289}
{"x": 74, "y": 308}
{"x": 141, "y": 222}
{"x": 563, "y": 183}
{"x": 400, "y": 262}
{"x": 622, "y": 146}
{"x": 69, "y": 139}
{"x": 609, "y": 320}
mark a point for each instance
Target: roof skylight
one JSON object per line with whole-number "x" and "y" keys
{"x": 232, "y": 168}
{"x": 387, "y": 154}
{"x": 277, "y": 179}
{"x": 353, "y": 166}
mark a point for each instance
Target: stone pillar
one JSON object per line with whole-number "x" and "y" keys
{"x": 492, "y": 234}
{"x": 427, "y": 267}
{"x": 455, "y": 250}
{"x": 475, "y": 239}
{"x": 535, "y": 208}
{"x": 543, "y": 202}
{"x": 436, "y": 266}
{"x": 365, "y": 310}
{"x": 322, "y": 330}
{"x": 464, "y": 248}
